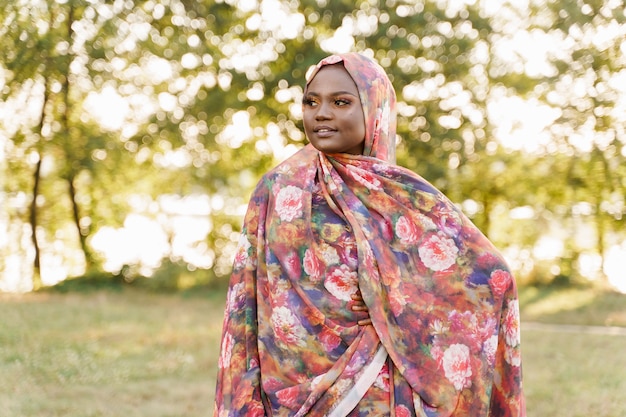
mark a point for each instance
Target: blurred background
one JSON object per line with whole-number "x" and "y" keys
{"x": 132, "y": 132}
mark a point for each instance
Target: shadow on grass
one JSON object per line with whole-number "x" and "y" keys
{"x": 580, "y": 305}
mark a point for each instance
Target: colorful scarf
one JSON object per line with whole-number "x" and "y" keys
{"x": 445, "y": 335}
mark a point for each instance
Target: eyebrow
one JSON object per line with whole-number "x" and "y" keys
{"x": 335, "y": 93}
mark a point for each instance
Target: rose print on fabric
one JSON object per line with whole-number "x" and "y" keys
{"x": 512, "y": 356}
{"x": 289, "y": 397}
{"x": 287, "y": 327}
{"x": 329, "y": 340}
{"x": 256, "y": 410}
{"x": 456, "y": 365}
{"x": 499, "y": 281}
{"x": 402, "y": 411}
{"x": 381, "y": 169}
{"x": 474, "y": 330}
{"x": 226, "y": 351}
{"x": 289, "y": 203}
{"x": 438, "y": 327}
{"x": 356, "y": 364}
{"x": 397, "y": 301}
{"x": 511, "y": 324}
{"x": 292, "y": 265}
{"x": 236, "y": 297}
{"x": 330, "y": 255}
{"x": 448, "y": 220}
{"x": 312, "y": 265}
{"x": 241, "y": 256}
{"x": 426, "y": 223}
{"x": 342, "y": 283}
{"x": 349, "y": 254}
{"x": 511, "y": 330}
{"x": 407, "y": 231}
{"x": 438, "y": 252}
{"x": 489, "y": 347}
{"x": 367, "y": 179}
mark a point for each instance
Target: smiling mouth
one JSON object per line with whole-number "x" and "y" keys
{"x": 323, "y": 131}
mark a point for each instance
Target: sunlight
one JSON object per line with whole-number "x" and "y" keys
{"x": 108, "y": 108}
{"x": 237, "y": 132}
{"x": 342, "y": 40}
{"x": 173, "y": 226}
{"x": 615, "y": 265}
{"x": 141, "y": 241}
{"x": 522, "y": 124}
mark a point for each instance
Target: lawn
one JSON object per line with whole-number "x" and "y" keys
{"x": 132, "y": 353}
{"x": 108, "y": 353}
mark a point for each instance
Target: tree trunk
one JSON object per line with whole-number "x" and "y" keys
{"x": 601, "y": 233}
{"x": 33, "y": 218}
{"x": 82, "y": 236}
{"x": 606, "y": 188}
{"x": 33, "y": 225}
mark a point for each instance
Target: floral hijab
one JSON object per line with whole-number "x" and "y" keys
{"x": 444, "y": 339}
{"x": 378, "y": 99}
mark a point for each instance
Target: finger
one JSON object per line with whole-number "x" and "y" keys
{"x": 364, "y": 322}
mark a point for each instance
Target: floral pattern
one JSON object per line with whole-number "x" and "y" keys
{"x": 342, "y": 283}
{"x": 438, "y": 252}
{"x": 289, "y": 203}
{"x": 320, "y": 228}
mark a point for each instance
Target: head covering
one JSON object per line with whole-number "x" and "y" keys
{"x": 320, "y": 228}
{"x": 378, "y": 99}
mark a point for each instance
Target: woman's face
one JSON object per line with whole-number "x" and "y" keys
{"x": 332, "y": 113}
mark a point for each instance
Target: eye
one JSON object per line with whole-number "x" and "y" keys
{"x": 342, "y": 102}
{"x": 307, "y": 101}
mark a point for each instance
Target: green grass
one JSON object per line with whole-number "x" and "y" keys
{"x": 124, "y": 353}
{"x": 574, "y": 374}
{"x": 573, "y": 305}
{"x": 133, "y": 353}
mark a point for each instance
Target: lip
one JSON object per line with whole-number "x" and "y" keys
{"x": 324, "y": 131}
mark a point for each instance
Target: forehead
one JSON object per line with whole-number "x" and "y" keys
{"x": 332, "y": 77}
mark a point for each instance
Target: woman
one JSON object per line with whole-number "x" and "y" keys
{"x": 358, "y": 289}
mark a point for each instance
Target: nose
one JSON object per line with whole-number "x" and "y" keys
{"x": 323, "y": 111}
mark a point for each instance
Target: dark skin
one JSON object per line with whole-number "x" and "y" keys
{"x": 359, "y": 305}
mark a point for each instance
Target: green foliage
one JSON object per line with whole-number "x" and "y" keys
{"x": 90, "y": 282}
{"x": 187, "y": 69}
{"x": 177, "y": 277}
{"x": 169, "y": 277}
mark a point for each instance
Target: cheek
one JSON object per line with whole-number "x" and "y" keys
{"x": 359, "y": 122}
{"x": 306, "y": 118}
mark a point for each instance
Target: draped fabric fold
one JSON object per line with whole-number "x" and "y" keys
{"x": 444, "y": 338}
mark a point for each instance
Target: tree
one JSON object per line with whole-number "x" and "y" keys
{"x": 207, "y": 98}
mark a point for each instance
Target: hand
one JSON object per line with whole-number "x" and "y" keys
{"x": 359, "y": 305}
